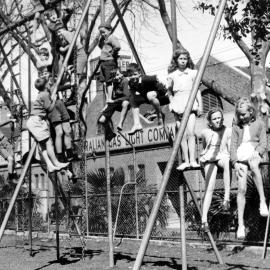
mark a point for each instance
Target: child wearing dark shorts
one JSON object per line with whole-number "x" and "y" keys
{"x": 59, "y": 119}
{"x": 144, "y": 89}
{"x": 110, "y": 47}
{"x": 120, "y": 103}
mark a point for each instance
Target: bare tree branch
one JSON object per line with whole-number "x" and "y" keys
{"x": 239, "y": 41}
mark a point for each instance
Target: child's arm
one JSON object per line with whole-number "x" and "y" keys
{"x": 200, "y": 103}
{"x": 49, "y": 101}
{"x": 115, "y": 45}
{"x": 170, "y": 87}
{"x": 234, "y": 142}
{"x": 64, "y": 48}
{"x": 262, "y": 146}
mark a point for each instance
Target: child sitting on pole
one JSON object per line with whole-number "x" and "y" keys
{"x": 39, "y": 128}
{"x": 216, "y": 147}
{"x": 7, "y": 153}
{"x": 110, "y": 46}
{"x": 120, "y": 103}
{"x": 180, "y": 81}
{"x": 144, "y": 89}
{"x": 248, "y": 146}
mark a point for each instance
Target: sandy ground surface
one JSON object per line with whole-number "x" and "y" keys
{"x": 14, "y": 255}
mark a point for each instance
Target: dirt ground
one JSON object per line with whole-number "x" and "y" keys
{"x": 14, "y": 255}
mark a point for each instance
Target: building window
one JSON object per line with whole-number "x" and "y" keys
{"x": 36, "y": 181}
{"x": 210, "y": 100}
{"x": 42, "y": 176}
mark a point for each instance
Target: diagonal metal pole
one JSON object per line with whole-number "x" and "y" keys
{"x": 179, "y": 136}
{"x": 33, "y": 148}
{"x": 130, "y": 42}
{"x": 13, "y": 76}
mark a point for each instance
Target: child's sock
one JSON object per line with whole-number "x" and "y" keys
{"x": 60, "y": 157}
{"x": 13, "y": 177}
{"x": 70, "y": 154}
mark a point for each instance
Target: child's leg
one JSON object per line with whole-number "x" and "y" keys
{"x": 254, "y": 166}
{"x": 51, "y": 154}
{"x": 184, "y": 145}
{"x": 50, "y": 166}
{"x": 241, "y": 195}
{"x": 11, "y": 164}
{"x": 152, "y": 97}
{"x": 225, "y": 165}
{"x": 67, "y": 139}
{"x": 136, "y": 121}
{"x": 191, "y": 139}
{"x": 58, "y": 138}
{"x": 123, "y": 114}
{"x": 109, "y": 90}
{"x": 210, "y": 170}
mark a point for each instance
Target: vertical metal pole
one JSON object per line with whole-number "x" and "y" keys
{"x": 179, "y": 136}
{"x": 109, "y": 203}
{"x": 266, "y": 236}
{"x": 29, "y": 171}
{"x": 86, "y": 196}
{"x": 136, "y": 191}
{"x": 102, "y": 11}
{"x": 56, "y": 215}
{"x": 174, "y": 24}
{"x": 130, "y": 42}
{"x": 181, "y": 183}
{"x": 107, "y": 167}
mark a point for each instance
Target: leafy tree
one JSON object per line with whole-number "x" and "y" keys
{"x": 248, "y": 22}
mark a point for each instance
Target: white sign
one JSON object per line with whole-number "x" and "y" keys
{"x": 149, "y": 136}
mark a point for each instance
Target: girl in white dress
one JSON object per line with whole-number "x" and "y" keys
{"x": 180, "y": 81}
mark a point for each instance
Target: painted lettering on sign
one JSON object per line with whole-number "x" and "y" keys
{"x": 149, "y": 136}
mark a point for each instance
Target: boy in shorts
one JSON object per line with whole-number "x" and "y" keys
{"x": 144, "y": 89}
{"x": 120, "y": 103}
{"x": 110, "y": 47}
{"x": 59, "y": 119}
{"x": 38, "y": 126}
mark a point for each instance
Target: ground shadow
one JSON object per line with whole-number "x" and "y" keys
{"x": 62, "y": 261}
{"x": 168, "y": 262}
{"x": 243, "y": 267}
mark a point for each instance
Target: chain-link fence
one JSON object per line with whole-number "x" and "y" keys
{"x": 135, "y": 178}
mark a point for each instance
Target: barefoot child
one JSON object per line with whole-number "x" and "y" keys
{"x": 38, "y": 126}
{"x": 180, "y": 81}
{"x": 216, "y": 147}
{"x": 248, "y": 145}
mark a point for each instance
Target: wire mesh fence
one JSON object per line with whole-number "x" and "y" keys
{"x": 134, "y": 185}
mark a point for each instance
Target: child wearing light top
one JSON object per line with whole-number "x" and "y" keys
{"x": 180, "y": 81}
{"x": 38, "y": 126}
{"x": 216, "y": 147}
{"x": 248, "y": 146}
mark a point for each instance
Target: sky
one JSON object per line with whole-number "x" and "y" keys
{"x": 154, "y": 46}
{"x": 193, "y": 28}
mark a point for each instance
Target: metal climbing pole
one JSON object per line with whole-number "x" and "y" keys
{"x": 179, "y": 136}
{"x": 181, "y": 182}
{"x": 107, "y": 168}
{"x": 33, "y": 148}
